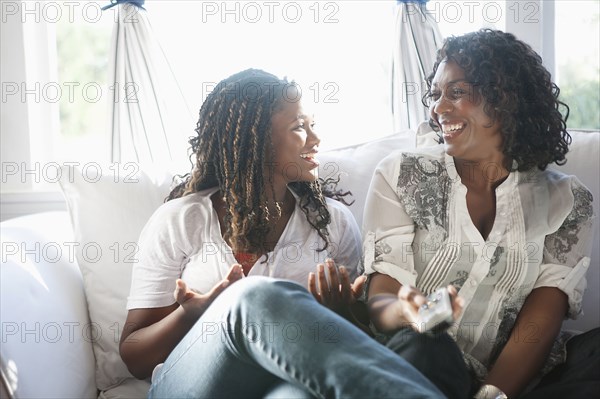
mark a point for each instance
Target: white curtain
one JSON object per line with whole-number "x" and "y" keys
{"x": 149, "y": 118}
{"x": 417, "y": 38}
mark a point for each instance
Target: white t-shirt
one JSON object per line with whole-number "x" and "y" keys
{"x": 183, "y": 240}
{"x": 419, "y": 231}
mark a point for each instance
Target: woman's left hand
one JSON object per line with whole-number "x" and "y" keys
{"x": 337, "y": 294}
{"x": 194, "y": 303}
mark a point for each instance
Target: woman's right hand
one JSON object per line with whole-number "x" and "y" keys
{"x": 393, "y": 306}
{"x": 194, "y": 303}
{"x": 410, "y": 300}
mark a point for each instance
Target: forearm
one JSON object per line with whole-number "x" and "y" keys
{"x": 383, "y": 304}
{"x": 144, "y": 348}
{"x": 383, "y": 311}
{"x": 530, "y": 341}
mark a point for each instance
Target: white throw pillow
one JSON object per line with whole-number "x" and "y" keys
{"x": 355, "y": 165}
{"x": 109, "y": 206}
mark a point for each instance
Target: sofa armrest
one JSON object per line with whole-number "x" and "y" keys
{"x": 46, "y": 334}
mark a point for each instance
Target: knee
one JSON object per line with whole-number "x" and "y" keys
{"x": 285, "y": 390}
{"x": 584, "y": 347}
{"x": 437, "y": 357}
{"x": 262, "y": 292}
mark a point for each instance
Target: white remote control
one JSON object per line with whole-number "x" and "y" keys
{"x": 436, "y": 314}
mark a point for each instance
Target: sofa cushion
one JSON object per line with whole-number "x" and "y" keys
{"x": 354, "y": 165}
{"x": 130, "y": 388}
{"x": 108, "y": 206}
{"x": 45, "y": 325}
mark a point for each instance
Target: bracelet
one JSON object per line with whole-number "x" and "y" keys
{"x": 490, "y": 392}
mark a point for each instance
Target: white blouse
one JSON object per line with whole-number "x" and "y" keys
{"x": 183, "y": 240}
{"x": 418, "y": 230}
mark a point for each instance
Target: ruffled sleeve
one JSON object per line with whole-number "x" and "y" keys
{"x": 387, "y": 228}
{"x": 566, "y": 251}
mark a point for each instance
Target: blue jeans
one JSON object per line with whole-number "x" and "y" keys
{"x": 261, "y": 331}
{"x": 436, "y": 356}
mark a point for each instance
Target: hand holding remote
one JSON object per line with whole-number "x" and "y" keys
{"x": 436, "y": 313}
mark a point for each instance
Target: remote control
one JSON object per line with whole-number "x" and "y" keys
{"x": 435, "y": 315}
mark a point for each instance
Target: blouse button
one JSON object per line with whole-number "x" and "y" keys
{"x": 473, "y": 283}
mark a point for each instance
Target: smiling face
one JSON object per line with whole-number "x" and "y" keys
{"x": 458, "y": 109}
{"x": 295, "y": 144}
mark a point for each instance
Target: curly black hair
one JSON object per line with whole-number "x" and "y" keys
{"x": 231, "y": 150}
{"x": 518, "y": 93}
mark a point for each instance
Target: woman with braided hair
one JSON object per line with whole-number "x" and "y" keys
{"x": 237, "y": 241}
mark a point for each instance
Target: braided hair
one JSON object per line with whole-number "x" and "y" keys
{"x": 231, "y": 150}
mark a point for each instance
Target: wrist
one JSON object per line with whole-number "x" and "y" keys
{"x": 489, "y": 391}
{"x": 189, "y": 315}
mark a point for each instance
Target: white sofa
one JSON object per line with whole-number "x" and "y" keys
{"x": 63, "y": 288}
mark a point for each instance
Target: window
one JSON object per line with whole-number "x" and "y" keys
{"x": 55, "y": 70}
{"x": 339, "y": 52}
{"x": 82, "y": 48}
{"x": 578, "y": 61}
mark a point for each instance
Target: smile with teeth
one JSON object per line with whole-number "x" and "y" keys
{"x": 310, "y": 158}
{"x": 453, "y": 127}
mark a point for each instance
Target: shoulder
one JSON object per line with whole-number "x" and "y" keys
{"x": 342, "y": 218}
{"x": 343, "y": 228}
{"x": 413, "y": 161}
{"x": 580, "y": 200}
{"x": 407, "y": 170}
{"x": 567, "y": 196}
{"x": 560, "y": 185}
{"x": 338, "y": 211}
{"x": 181, "y": 214}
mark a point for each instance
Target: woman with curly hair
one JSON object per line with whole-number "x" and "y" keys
{"x": 482, "y": 213}
{"x": 203, "y": 319}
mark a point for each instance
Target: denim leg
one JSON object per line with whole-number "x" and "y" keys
{"x": 260, "y": 331}
{"x": 203, "y": 366}
{"x": 436, "y": 356}
{"x": 285, "y": 390}
{"x": 579, "y": 376}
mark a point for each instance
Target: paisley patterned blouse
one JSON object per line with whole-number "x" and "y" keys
{"x": 418, "y": 230}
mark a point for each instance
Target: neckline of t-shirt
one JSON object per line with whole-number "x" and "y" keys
{"x": 216, "y": 223}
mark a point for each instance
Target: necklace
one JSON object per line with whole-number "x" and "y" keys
{"x": 282, "y": 214}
